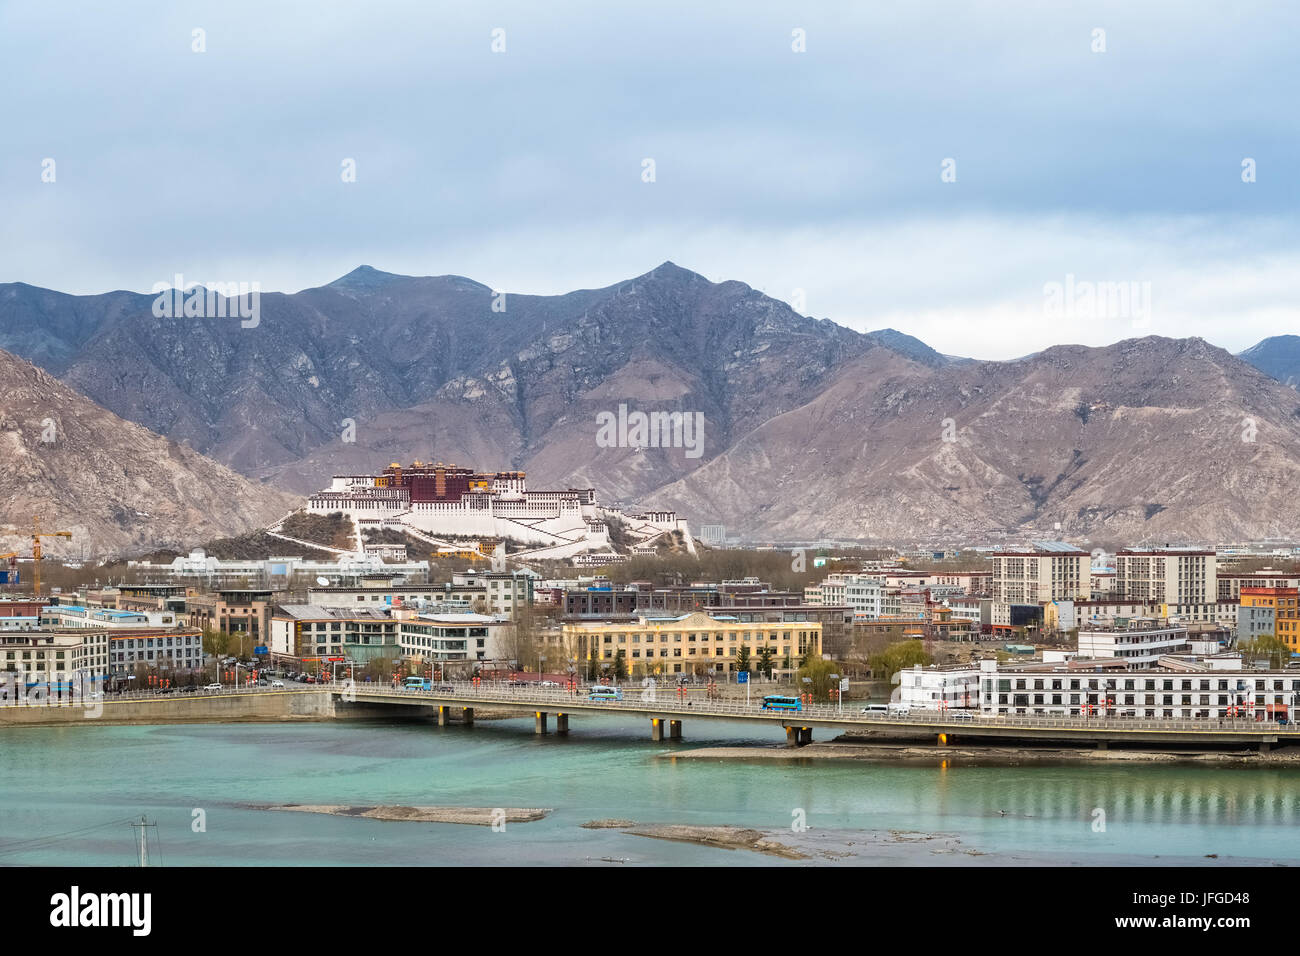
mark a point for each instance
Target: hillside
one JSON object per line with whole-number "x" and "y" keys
{"x": 116, "y": 486}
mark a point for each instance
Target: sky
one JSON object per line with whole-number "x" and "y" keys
{"x": 989, "y": 177}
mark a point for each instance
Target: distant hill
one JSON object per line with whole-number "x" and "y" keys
{"x": 1278, "y": 356}
{"x": 116, "y": 486}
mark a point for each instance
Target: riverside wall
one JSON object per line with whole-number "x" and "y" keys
{"x": 194, "y": 708}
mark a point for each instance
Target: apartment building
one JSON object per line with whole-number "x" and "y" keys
{"x": 51, "y": 659}
{"x": 1166, "y": 576}
{"x": 1048, "y": 571}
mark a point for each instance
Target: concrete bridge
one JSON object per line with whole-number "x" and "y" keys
{"x": 666, "y": 710}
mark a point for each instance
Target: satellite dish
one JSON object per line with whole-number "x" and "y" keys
{"x": 323, "y": 581}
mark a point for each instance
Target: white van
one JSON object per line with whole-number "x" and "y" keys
{"x": 875, "y": 709}
{"x": 900, "y": 710}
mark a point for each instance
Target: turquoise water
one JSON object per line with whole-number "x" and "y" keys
{"x": 68, "y": 792}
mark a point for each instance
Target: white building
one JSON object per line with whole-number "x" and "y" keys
{"x": 1139, "y": 642}
{"x": 1183, "y": 687}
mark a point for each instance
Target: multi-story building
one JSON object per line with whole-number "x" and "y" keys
{"x": 1206, "y": 689}
{"x": 1231, "y": 582}
{"x": 692, "y": 643}
{"x": 1167, "y": 576}
{"x": 864, "y": 593}
{"x": 199, "y": 569}
{"x": 304, "y": 634}
{"x": 1048, "y": 571}
{"x": 243, "y": 613}
{"x": 1139, "y": 643}
{"x": 169, "y": 651}
{"x": 1269, "y": 612}
{"x": 51, "y": 659}
{"x": 312, "y": 636}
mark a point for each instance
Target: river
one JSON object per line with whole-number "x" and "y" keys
{"x": 69, "y": 791}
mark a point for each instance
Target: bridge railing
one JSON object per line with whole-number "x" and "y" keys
{"x": 670, "y": 703}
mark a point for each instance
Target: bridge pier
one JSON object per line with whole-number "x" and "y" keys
{"x": 1101, "y": 745}
{"x": 539, "y": 724}
{"x": 674, "y": 730}
{"x": 792, "y": 736}
{"x": 656, "y": 729}
{"x": 467, "y": 716}
{"x": 805, "y": 736}
{"x": 561, "y": 723}
{"x": 444, "y": 715}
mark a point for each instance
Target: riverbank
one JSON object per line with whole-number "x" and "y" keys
{"x": 849, "y": 749}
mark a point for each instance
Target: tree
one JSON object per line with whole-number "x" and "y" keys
{"x": 765, "y": 657}
{"x": 742, "y": 658}
{"x": 819, "y": 672}
{"x": 620, "y": 665}
{"x": 1274, "y": 648}
{"x": 898, "y": 657}
{"x": 786, "y": 663}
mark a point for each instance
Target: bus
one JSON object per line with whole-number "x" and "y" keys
{"x": 418, "y": 683}
{"x": 604, "y": 692}
{"x": 777, "y": 702}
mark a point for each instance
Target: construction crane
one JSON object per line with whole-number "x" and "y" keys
{"x": 36, "y": 534}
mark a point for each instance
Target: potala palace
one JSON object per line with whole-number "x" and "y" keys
{"x": 432, "y": 500}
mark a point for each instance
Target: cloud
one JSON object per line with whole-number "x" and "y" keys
{"x": 816, "y": 170}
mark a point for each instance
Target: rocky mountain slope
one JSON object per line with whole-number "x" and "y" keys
{"x": 1147, "y": 439}
{"x": 116, "y": 486}
{"x": 809, "y": 429}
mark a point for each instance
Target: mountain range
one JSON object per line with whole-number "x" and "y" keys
{"x": 810, "y": 429}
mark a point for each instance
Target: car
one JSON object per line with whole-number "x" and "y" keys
{"x": 190, "y": 689}
{"x": 162, "y": 690}
{"x": 962, "y": 715}
{"x": 277, "y": 683}
{"x": 875, "y": 709}
{"x": 212, "y": 687}
{"x": 549, "y": 683}
{"x": 517, "y": 683}
{"x": 446, "y": 689}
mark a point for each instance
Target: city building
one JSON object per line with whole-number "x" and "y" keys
{"x": 1139, "y": 642}
{"x": 243, "y": 613}
{"x": 692, "y": 643}
{"x": 1180, "y": 687}
{"x": 1166, "y": 576}
{"x": 1269, "y": 612}
{"x": 51, "y": 659}
{"x": 168, "y": 651}
{"x": 199, "y": 569}
{"x": 1048, "y": 571}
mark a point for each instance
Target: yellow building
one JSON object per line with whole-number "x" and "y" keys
{"x": 690, "y": 643}
{"x": 1261, "y": 607}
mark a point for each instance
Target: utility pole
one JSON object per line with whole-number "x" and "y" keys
{"x": 143, "y": 847}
